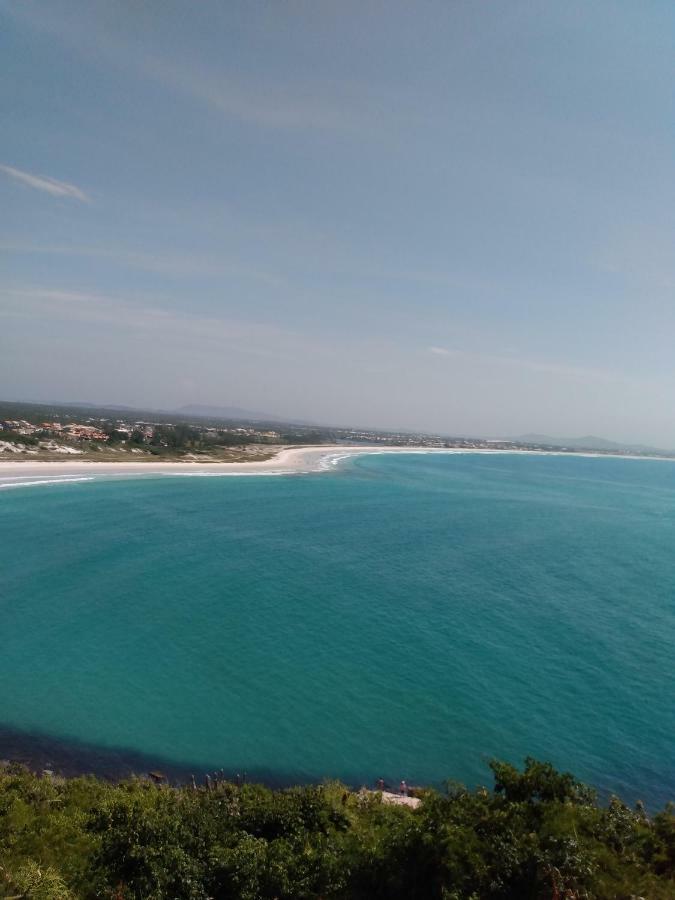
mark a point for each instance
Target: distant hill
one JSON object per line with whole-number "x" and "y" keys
{"x": 26, "y": 409}
{"x": 197, "y": 411}
{"x": 588, "y": 442}
{"x": 236, "y": 413}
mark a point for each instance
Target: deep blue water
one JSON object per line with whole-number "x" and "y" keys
{"x": 403, "y": 616}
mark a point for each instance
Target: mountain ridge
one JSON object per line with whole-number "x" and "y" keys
{"x": 203, "y": 411}
{"x": 587, "y": 442}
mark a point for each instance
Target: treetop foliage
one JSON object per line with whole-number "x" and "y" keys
{"x": 538, "y": 834}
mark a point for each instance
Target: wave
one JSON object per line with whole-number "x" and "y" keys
{"x": 63, "y": 479}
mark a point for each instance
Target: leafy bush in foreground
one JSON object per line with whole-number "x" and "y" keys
{"x": 538, "y": 834}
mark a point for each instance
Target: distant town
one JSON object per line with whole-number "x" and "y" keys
{"x": 44, "y": 432}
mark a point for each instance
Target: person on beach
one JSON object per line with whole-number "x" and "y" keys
{"x": 404, "y": 789}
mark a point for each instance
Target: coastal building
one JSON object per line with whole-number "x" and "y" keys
{"x": 85, "y": 432}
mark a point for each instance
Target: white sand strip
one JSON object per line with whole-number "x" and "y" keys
{"x": 289, "y": 460}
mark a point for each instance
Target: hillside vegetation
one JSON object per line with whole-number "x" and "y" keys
{"x": 537, "y": 834}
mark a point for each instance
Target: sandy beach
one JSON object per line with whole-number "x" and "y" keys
{"x": 24, "y": 472}
{"x": 288, "y": 461}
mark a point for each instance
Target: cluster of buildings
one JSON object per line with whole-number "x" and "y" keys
{"x": 389, "y": 438}
{"x": 72, "y": 431}
{"x": 405, "y": 439}
{"x": 145, "y": 429}
{"x": 104, "y": 430}
{"x": 19, "y": 426}
{"x": 254, "y": 433}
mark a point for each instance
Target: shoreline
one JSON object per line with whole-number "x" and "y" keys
{"x": 45, "y": 754}
{"x": 66, "y": 757}
{"x": 287, "y": 461}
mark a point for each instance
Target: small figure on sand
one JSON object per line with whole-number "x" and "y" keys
{"x": 403, "y": 789}
{"x": 380, "y": 784}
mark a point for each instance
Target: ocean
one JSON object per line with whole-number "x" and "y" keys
{"x": 400, "y": 616}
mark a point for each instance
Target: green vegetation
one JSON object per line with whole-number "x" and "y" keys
{"x": 538, "y": 834}
{"x": 150, "y": 435}
{"x": 27, "y": 439}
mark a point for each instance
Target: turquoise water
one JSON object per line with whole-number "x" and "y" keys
{"x": 401, "y": 616}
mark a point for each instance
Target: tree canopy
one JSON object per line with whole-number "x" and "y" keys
{"x": 538, "y": 834}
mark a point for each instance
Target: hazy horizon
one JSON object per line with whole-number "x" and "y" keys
{"x": 232, "y": 413}
{"x": 455, "y": 218}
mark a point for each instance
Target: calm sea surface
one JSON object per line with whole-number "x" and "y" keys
{"x": 401, "y": 616}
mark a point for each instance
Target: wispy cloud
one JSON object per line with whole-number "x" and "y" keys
{"x": 274, "y": 106}
{"x": 339, "y": 107}
{"x": 505, "y": 361}
{"x": 167, "y": 263}
{"x": 44, "y": 183}
{"x": 144, "y": 316}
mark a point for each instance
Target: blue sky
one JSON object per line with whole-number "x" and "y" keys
{"x": 453, "y": 216}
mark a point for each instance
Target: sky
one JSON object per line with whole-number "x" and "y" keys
{"x": 454, "y": 216}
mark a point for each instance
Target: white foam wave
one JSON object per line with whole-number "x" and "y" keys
{"x": 220, "y": 474}
{"x": 64, "y": 479}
